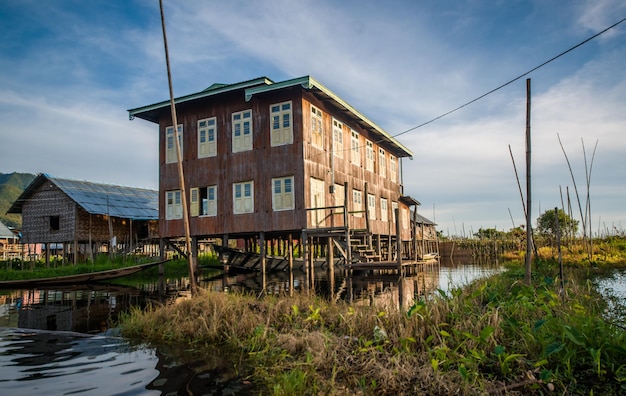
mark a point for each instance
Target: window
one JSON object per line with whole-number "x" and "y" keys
{"x": 242, "y": 131}
{"x": 356, "y": 153}
{"x": 384, "y": 216}
{"x": 357, "y": 203}
{"x": 316, "y": 127}
{"x": 243, "y": 197}
{"x": 394, "y": 206}
{"x": 170, "y": 150}
{"x": 371, "y": 206}
{"x": 369, "y": 156}
{"x": 393, "y": 168}
{"x": 282, "y": 194}
{"x": 173, "y": 205}
{"x": 338, "y": 138}
{"x": 281, "y": 130}
{"x": 204, "y": 201}
{"x": 382, "y": 163}
{"x": 317, "y": 201}
{"x": 340, "y": 195}
{"x": 207, "y": 138}
{"x": 55, "y": 223}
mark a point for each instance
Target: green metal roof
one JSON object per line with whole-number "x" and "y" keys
{"x": 150, "y": 112}
{"x": 263, "y": 85}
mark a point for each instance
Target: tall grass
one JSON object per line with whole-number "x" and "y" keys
{"x": 493, "y": 336}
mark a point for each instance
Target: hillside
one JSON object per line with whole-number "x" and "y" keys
{"x": 11, "y": 186}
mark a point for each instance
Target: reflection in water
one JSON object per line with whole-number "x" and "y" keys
{"x": 73, "y": 339}
{"x": 63, "y": 363}
{"x": 60, "y": 363}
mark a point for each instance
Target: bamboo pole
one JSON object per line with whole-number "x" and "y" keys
{"x": 181, "y": 176}
{"x": 527, "y": 277}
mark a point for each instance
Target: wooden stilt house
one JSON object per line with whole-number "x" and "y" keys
{"x": 270, "y": 162}
{"x": 84, "y": 217}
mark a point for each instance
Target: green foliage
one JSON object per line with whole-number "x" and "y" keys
{"x": 489, "y": 233}
{"x": 11, "y": 186}
{"x": 547, "y": 223}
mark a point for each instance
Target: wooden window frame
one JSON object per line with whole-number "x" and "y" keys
{"x": 242, "y": 131}
{"x": 243, "y": 197}
{"x": 281, "y": 124}
{"x": 173, "y": 205}
{"x": 171, "y": 156}
{"x": 338, "y": 138}
{"x": 207, "y": 130}
{"x": 284, "y": 199}
{"x": 317, "y": 127}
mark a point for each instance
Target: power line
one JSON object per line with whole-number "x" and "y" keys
{"x": 513, "y": 80}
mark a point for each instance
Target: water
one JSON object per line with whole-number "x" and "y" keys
{"x": 60, "y": 341}
{"x": 613, "y": 288}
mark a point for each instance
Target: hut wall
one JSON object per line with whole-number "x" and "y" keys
{"x": 49, "y": 216}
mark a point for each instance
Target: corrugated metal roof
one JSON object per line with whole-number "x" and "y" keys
{"x": 6, "y": 233}
{"x": 103, "y": 199}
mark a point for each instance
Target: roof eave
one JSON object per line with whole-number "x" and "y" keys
{"x": 309, "y": 83}
{"x": 149, "y": 112}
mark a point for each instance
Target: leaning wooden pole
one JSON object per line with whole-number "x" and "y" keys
{"x": 181, "y": 176}
{"x": 527, "y": 277}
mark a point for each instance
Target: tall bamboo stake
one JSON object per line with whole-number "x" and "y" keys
{"x": 181, "y": 176}
{"x": 527, "y": 277}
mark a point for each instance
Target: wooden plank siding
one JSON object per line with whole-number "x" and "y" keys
{"x": 301, "y": 159}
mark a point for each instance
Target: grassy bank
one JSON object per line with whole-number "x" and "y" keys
{"x": 494, "y": 336}
{"x": 178, "y": 267}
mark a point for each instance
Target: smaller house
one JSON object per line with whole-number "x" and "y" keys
{"x": 85, "y": 217}
{"x": 426, "y": 242}
{"x": 10, "y": 246}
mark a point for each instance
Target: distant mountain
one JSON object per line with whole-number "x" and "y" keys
{"x": 11, "y": 186}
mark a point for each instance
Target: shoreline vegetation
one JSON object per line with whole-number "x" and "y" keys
{"x": 493, "y": 336}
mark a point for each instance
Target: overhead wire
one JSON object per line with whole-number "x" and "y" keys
{"x": 511, "y": 81}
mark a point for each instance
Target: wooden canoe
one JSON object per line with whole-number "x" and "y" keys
{"x": 79, "y": 278}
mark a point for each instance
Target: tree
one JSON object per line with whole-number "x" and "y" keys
{"x": 488, "y": 233}
{"x": 546, "y": 224}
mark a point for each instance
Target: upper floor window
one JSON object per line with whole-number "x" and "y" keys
{"x": 242, "y": 131}
{"x": 243, "y": 197}
{"x": 207, "y": 138}
{"x": 170, "y": 144}
{"x": 282, "y": 131}
{"x": 369, "y": 156}
{"x": 393, "y": 168}
{"x": 382, "y": 163}
{"x": 282, "y": 194}
{"x": 384, "y": 216}
{"x": 356, "y": 150}
{"x": 338, "y": 138}
{"x": 316, "y": 127}
{"x": 203, "y": 201}
{"x": 371, "y": 206}
{"x": 173, "y": 205}
{"x": 357, "y": 203}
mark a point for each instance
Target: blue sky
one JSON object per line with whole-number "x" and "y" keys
{"x": 71, "y": 69}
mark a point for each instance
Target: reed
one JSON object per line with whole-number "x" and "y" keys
{"x": 493, "y": 336}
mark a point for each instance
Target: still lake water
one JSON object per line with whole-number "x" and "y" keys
{"x": 59, "y": 342}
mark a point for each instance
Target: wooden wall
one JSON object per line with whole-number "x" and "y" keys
{"x": 300, "y": 159}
